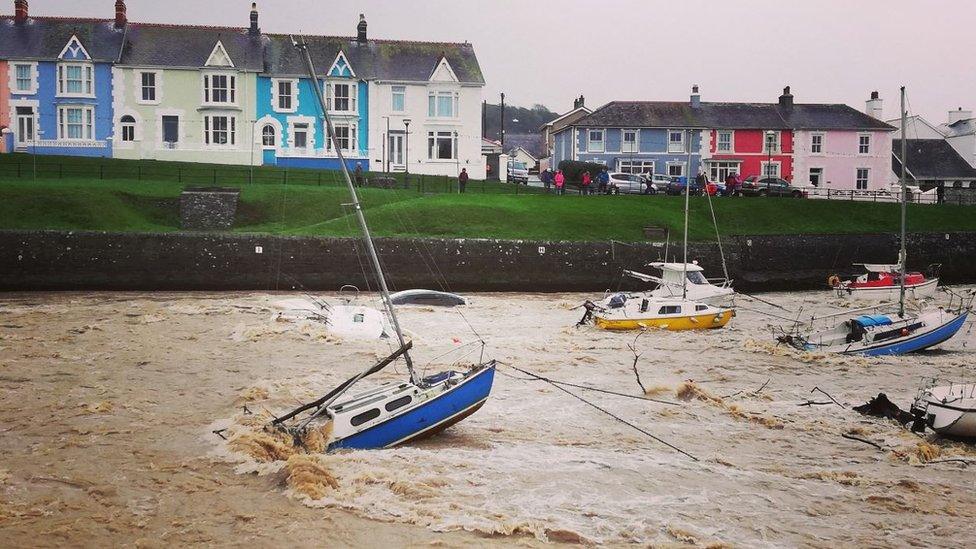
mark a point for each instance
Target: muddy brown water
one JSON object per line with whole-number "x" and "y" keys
{"x": 107, "y": 402}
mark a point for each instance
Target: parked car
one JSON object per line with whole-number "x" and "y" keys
{"x": 518, "y": 172}
{"x": 630, "y": 183}
{"x": 770, "y": 186}
{"x": 659, "y": 181}
{"x": 676, "y": 186}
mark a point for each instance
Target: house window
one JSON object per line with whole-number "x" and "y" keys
{"x": 442, "y": 104}
{"x": 441, "y": 145}
{"x": 629, "y": 141}
{"x": 128, "y": 124}
{"x": 148, "y": 87}
{"x": 75, "y": 79}
{"x": 219, "y": 88}
{"x": 861, "y": 180}
{"x": 816, "y": 176}
{"x": 268, "y": 136}
{"x": 343, "y": 97}
{"x": 816, "y": 143}
{"x": 219, "y": 130}
{"x": 285, "y": 91}
{"x": 345, "y": 137}
{"x": 864, "y": 144}
{"x": 171, "y": 129}
{"x": 399, "y": 98}
{"x": 770, "y": 169}
{"x": 24, "y": 78}
{"x": 75, "y": 123}
{"x": 594, "y": 141}
{"x": 676, "y": 169}
{"x": 771, "y": 142}
{"x": 676, "y": 141}
{"x": 635, "y": 166}
{"x": 299, "y": 136}
{"x": 718, "y": 171}
{"x": 724, "y": 142}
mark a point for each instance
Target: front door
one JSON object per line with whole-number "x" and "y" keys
{"x": 395, "y": 148}
{"x": 25, "y": 126}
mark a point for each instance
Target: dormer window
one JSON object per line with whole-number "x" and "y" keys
{"x": 76, "y": 79}
{"x": 220, "y": 89}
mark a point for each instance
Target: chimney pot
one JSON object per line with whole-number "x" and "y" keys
{"x": 786, "y": 100}
{"x": 874, "y": 107}
{"x": 21, "y": 11}
{"x": 254, "y": 30}
{"x": 120, "y": 18}
{"x": 874, "y": 95}
{"x": 695, "y": 97}
{"x": 361, "y": 28}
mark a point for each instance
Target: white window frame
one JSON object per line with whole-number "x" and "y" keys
{"x": 677, "y": 146}
{"x": 353, "y": 137}
{"x": 813, "y": 144}
{"x": 821, "y": 179}
{"x": 777, "y": 143}
{"x": 32, "y": 84}
{"x": 276, "y": 94}
{"x": 623, "y": 141}
{"x": 331, "y": 98}
{"x": 669, "y": 165}
{"x": 628, "y": 166}
{"x": 433, "y": 104}
{"x": 763, "y": 172}
{"x": 276, "y": 135}
{"x": 157, "y": 86}
{"x": 718, "y": 142}
{"x": 133, "y": 126}
{"x": 716, "y": 167}
{"x": 590, "y": 143}
{"x": 310, "y": 138}
{"x": 87, "y": 122}
{"x": 857, "y": 178}
{"x": 207, "y": 89}
{"x": 210, "y": 131}
{"x": 87, "y": 79}
{"x": 437, "y": 135}
{"x": 861, "y": 136}
{"x": 398, "y": 91}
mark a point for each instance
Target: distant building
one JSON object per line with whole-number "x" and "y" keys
{"x": 931, "y": 163}
{"x": 550, "y": 129}
{"x": 528, "y": 148}
{"x": 960, "y": 132}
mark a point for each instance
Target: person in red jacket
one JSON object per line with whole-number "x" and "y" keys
{"x": 560, "y": 180}
{"x": 585, "y": 188}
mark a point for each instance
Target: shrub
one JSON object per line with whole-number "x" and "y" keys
{"x": 573, "y": 169}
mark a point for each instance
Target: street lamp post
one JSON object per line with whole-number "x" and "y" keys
{"x": 457, "y": 161}
{"x": 770, "y": 137}
{"x": 406, "y": 153}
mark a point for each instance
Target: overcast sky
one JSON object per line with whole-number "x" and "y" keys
{"x": 549, "y": 51}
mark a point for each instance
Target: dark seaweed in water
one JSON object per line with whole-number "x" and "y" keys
{"x": 880, "y": 406}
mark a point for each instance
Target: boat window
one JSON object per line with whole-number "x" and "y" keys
{"x": 695, "y": 277}
{"x": 701, "y": 307}
{"x": 874, "y": 276}
{"x": 670, "y": 310}
{"x": 397, "y": 403}
{"x": 358, "y": 317}
{"x": 364, "y": 417}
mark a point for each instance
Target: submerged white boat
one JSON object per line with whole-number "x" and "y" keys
{"x": 949, "y": 410}
{"x": 678, "y": 279}
{"x": 349, "y": 319}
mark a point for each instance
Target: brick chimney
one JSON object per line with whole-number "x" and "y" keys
{"x": 361, "y": 28}
{"x": 695, "y": 97}
{"x": 120, "y": 19}
{"x": 786, "y": 100}
{"x": 20, "y": 11}
{"x": 874, "y": 107}
{"x": 254, "y": 30}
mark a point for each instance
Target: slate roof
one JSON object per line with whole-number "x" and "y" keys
{"x": 374, "y": 59}
{"x": 154, "y": 45}
{"x": 41, "y": 38}
{"x": 680, "y": 114}
{"x": 931, "y": 159}
{"x": 531, "y": 142}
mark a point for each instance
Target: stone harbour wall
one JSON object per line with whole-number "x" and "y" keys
{"x": 56, "y": 260}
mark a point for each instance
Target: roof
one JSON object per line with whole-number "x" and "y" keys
{"x": 690, "y": 267}
{"x": 154, "y": 45}
{"x": 529, "y": 142}
{"x": 560, "y": 118}
{"x": 680, "y": 114}
{"x": 931, "y": 159}
{"x": 375, "y": 59}
{"x": 960, "y": 127}
{"x": 46, "y": 37}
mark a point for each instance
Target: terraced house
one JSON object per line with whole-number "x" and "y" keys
{"x": 235, "y": 95}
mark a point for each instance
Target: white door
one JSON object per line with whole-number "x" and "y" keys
{"x": 395, "y": 148}
{"x": 25, "y": 126}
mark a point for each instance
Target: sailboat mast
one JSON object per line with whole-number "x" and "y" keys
{"x": 374, "y": 259}
{"x": 684, "y": 279}
{"x": 903, "y": 254}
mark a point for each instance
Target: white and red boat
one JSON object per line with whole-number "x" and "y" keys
{"x": 883, "y": 283}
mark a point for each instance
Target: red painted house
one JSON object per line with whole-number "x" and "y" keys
{"x": 738, "y": 142}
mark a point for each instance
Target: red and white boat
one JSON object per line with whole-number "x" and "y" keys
{"x": 883, "y": 283}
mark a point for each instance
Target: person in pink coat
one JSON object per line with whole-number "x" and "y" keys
{"x": 560, "y": 181}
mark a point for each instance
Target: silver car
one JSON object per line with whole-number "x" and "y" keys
{"x": 630, "y": 183}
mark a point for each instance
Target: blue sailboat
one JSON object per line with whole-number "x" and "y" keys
{"x": 394, "y": 413}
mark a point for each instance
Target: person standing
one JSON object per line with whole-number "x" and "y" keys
{"x": 462, "y": 180}
{"x": 940, "y": 193}
{"x": 359, "y": 174}
{"x": 702, "y": 183}
{"x": 586, "y": 180}
{"x": 730, "y": 184}
{"x": 604, "y": 180}
{"x": 560, "y": 181}
{"x": 546, "y": 178}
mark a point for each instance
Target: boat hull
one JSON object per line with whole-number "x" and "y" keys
{"x": 429, "y": 417}
{"x": 924, "y": 290}
{"x": 949, "y": 410}
{"x": 911, "y": 343}
{"x": 693, "y": 322}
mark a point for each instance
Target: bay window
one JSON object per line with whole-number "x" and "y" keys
{"x": 718, "y": 171}
{"x": 441, "y": 145}
{"x": 219, "y": 130}
{"x": 220, "y": 89}
{"x": 75, "y": 79}
{"x": 76, "y": 123}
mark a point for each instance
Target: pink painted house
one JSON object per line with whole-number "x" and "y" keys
{"x": 4, "y": 106}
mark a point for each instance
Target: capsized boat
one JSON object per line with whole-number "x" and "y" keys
{"x": 676, "y": 277}
{"x": 627, "y": 313}
{"x": 428, "y": 297}
{"x": 393, "y": 413}
{"x": 949, "y": 410}
{"x": 883, "y": 283}
{"x": 348, "y": 319}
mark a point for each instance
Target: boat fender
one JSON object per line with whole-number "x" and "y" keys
{"x": 833, "y": 281}
{"x": 904, "y": 332}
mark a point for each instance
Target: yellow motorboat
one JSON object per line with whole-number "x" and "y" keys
{"x": 666, "y": 314}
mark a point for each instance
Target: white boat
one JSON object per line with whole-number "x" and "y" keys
{"x": 883, "y": 283}
{"x": 673, "y": 314}
{"x": 671, "y": 283}
{"x": 949, "y": 410}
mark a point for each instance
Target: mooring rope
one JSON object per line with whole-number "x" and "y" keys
{"x": 557, "y": 385}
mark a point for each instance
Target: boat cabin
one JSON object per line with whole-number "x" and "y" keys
{"x": 674, "y": 273}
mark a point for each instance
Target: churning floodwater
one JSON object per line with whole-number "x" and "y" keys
{"x": 108, "y": 403}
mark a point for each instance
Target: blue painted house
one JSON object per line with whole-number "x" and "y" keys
{"x": 61, "y": 99}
